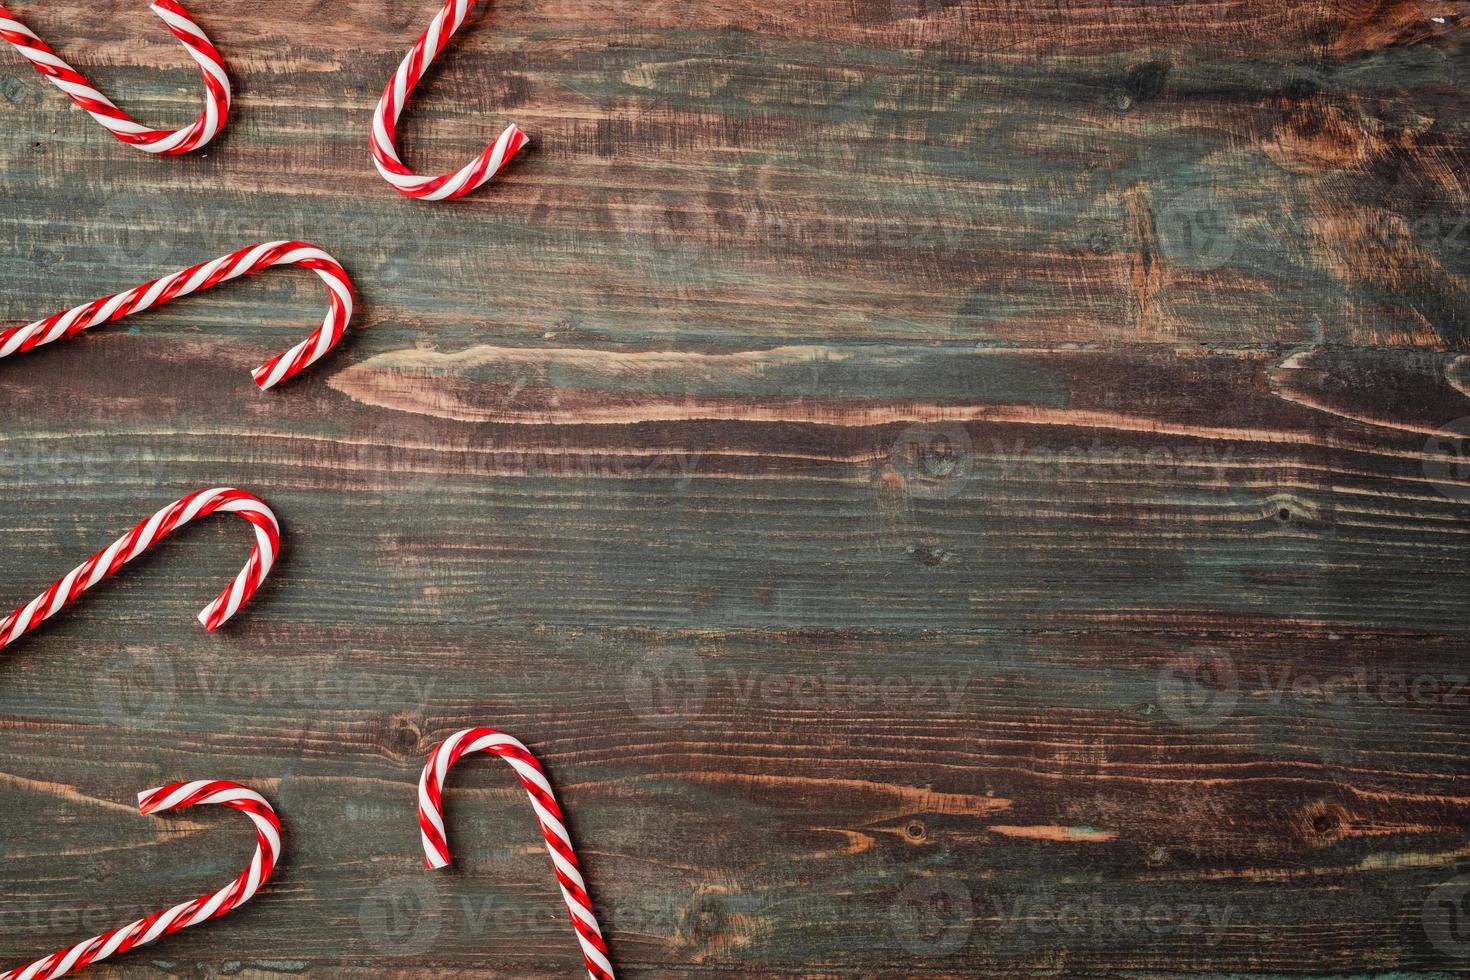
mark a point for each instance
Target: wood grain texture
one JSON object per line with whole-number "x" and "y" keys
{"x": 947, "y": 488}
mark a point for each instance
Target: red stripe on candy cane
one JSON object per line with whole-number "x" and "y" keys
{"x": 70, "y": 587}
{"x": 245, "y": 262}
{"x": 548, "y": 816}
{"x": 395, "y": 98}
{"x": 163, "y": 141}
{"x": 178, "y": 796}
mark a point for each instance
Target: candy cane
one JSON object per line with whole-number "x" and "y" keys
{"x": 178, "y": 796}
{"x": 548, "y": 814}
{"x": 395, "y": 97}
{"x": 107, "y": 561}
{"x": 247, "y": 261}
{"x": 119, "y": 123}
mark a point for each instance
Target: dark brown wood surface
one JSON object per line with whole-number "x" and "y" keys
{"x": 947, "y": 487}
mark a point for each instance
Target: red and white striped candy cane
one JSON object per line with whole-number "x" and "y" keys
{"x": 247, "y": 261}
{"x": 178, "y": 796}
{"x": 119, "y": 123}
{"x": 548, "y": 815}
{"x": 395, "y": 97}
{"x": 107, "y": 561}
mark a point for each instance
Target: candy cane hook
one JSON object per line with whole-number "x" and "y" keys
{"x": 107, "y": 561}
{"x": 395, "y": 97}
{"x": 548, "y": 815}
{"x": 168, "y": 142}
{"x": 247, "y": 261}
{"x": 178, "y": 796}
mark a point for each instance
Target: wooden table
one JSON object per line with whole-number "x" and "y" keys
{"x": 948, "y": 488}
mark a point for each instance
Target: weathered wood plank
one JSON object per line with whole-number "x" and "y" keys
{"x": 948, "y": 489}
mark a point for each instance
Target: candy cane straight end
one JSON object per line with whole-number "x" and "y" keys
{"x": 150, "y": 800}
{"x": 516, "y": 140}
{"x": 262, "y": 377}
{"x": 475, "y": 175}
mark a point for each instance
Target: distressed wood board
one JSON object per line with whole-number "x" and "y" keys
{"x": 948, "y": 488}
